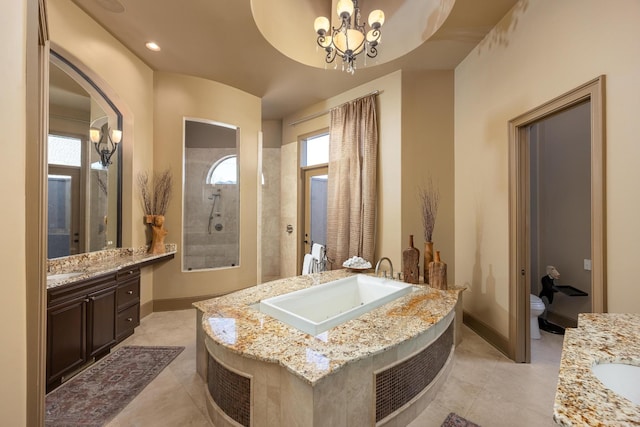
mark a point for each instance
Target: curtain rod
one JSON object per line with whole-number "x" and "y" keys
{"x": 322, "y": 113}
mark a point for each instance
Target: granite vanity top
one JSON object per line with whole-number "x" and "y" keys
{"x": 581, "y": 399}
{"x": 92, "y": 264}
{"x": 230, "y": 321}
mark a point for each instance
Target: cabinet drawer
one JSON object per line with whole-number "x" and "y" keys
{"x": 128, "y": 293}
{"x": 127, "y": 273}
{"x": 127, "y": 320}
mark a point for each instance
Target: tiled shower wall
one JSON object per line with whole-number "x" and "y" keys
{"x": 271, "y": 230}
{"x": 204, "y": 248}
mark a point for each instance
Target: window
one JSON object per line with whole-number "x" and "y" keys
{"x": 224, "y": 171}
{"x": 64, "y": 150}
{"x": 315, "y": 150}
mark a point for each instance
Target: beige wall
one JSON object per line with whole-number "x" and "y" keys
{"x": 415, "y": 118}
{"x": 13, "y": 313}
{"x": 389, "y": 241}
{"x": 177, "y": 97}
{"x": 516, "y": 68}
{"x": 128, "y": 82}
{"x": 427, "y": 151}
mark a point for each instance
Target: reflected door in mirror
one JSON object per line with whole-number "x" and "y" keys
{"x": 63, "y": 222}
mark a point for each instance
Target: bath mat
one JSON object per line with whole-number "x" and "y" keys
{"x": 98, "y": 394}
{"x": 455, "y": 420}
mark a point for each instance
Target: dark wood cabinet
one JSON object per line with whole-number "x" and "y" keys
{"x": 128, "y": 309}
{"x": 81, "y": 325}
{"x": 85, "y": 319}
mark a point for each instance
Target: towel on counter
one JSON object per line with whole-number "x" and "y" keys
{"x": 307, "y": 264}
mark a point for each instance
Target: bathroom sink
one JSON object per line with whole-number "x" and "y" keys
{"x": 620, "y": 378}
{"x": 62, "y": 276}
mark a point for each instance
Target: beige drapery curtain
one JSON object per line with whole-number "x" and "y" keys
{"x": 351, "y": 210}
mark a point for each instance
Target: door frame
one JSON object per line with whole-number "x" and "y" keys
{"x": 307, "y": 173}
{"x": 519, "y": 216}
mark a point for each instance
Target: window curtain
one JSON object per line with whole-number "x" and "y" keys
{"x": 353, "y": 152}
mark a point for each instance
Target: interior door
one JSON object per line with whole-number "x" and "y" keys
{"x": 64, "y": 230}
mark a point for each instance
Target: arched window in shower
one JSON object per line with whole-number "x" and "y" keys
{"x": 211, "y": 205}
{"x": 224, "y": 171}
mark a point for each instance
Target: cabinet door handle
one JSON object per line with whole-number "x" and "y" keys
{"x": 86, "y": 300}
{"x": 130, "y": 292}
{"x": 129, "y": 319}
{"x": 130, "y": 271}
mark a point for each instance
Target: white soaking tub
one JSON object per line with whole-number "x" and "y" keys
{"x": 320, "y": 308}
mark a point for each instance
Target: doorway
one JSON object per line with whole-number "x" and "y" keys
{"x": 63, "y": 213}
{"x": 524, "y": 182}
{"x": 315, "y": 206}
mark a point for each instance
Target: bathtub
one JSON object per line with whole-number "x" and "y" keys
{"x": 319, "y": 308}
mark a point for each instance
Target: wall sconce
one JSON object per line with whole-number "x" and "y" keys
{"x": 106, "y": 142}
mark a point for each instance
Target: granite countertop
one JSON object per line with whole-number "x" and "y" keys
{"x": 231, "y": 322}
{"x": 92, "y": 264}
{"x": 581, "y": 399}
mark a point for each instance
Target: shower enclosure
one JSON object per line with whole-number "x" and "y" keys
{"x": 211, "y": 200}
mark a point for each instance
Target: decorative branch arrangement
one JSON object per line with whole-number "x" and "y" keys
{"x": 156, "y": 195}
{"x": 430, "y": 198}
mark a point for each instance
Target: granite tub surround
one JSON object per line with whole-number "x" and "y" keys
{"x": 581, "y": 399}
{"x": 61, "y": 271}
{"x": 336, "y": 378}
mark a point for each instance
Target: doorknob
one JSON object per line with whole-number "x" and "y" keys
{"x": 522, "y": 272}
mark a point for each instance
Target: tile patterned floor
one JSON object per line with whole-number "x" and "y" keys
{"x": 484, "y": 386}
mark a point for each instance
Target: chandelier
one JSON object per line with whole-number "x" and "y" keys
{"x": 351, "y": 38}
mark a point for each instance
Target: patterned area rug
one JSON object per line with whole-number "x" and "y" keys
{"x": 98, "y": 394}
{"x": 454, "y": 420}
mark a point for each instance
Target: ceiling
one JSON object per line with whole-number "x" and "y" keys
{"x": 219, "y": 40}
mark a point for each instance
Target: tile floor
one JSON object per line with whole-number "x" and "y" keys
{"x": 484, "y": 386}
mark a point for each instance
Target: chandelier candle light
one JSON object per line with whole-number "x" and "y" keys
{"x": 351, "y": 37}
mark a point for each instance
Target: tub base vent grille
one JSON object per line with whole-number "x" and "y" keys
{"x": 396, "y": 386}
{"x": 230, "y": 391}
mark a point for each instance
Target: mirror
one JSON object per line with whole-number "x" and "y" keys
{"x": 84, "y": 204}
{"x": 211, "y": 196}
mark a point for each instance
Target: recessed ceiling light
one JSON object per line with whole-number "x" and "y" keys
{"x": 152, "y": 46}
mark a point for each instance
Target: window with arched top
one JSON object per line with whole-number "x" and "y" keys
{"x": 224, "y": 171}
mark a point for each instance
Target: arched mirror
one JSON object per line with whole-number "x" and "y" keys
{"x": 84, "y": 158}
{"x": 211, "y": 198}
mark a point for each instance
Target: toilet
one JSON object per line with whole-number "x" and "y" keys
{"x": 537, "y": 308}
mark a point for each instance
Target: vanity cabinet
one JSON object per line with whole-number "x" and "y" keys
{"x": 128, "y": 310}
{"x": 81, "y": 325}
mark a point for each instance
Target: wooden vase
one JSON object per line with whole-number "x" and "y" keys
{"x": 410, "y": 263}
{"x": 428, "y": 257}
{"x": 158, "y": 233}
{"x": 438, "y": 273}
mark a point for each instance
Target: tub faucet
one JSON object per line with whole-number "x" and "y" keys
{"x": 390, "y": 266}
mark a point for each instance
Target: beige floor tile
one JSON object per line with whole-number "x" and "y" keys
{"x": 484, "y": 386}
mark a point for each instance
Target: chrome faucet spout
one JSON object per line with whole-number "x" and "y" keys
{"x": 380, "y": 262}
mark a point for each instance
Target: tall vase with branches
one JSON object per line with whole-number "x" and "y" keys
{"x": 155, "y": 196}
{"x": 430, "y": 198}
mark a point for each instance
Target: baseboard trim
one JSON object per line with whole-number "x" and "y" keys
{"x": 146, "y": 309}
{"x": 173, "y": 304}
{"x": 492, "y": 336}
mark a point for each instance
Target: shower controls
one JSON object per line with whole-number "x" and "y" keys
{"x": 218, "y": 227}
